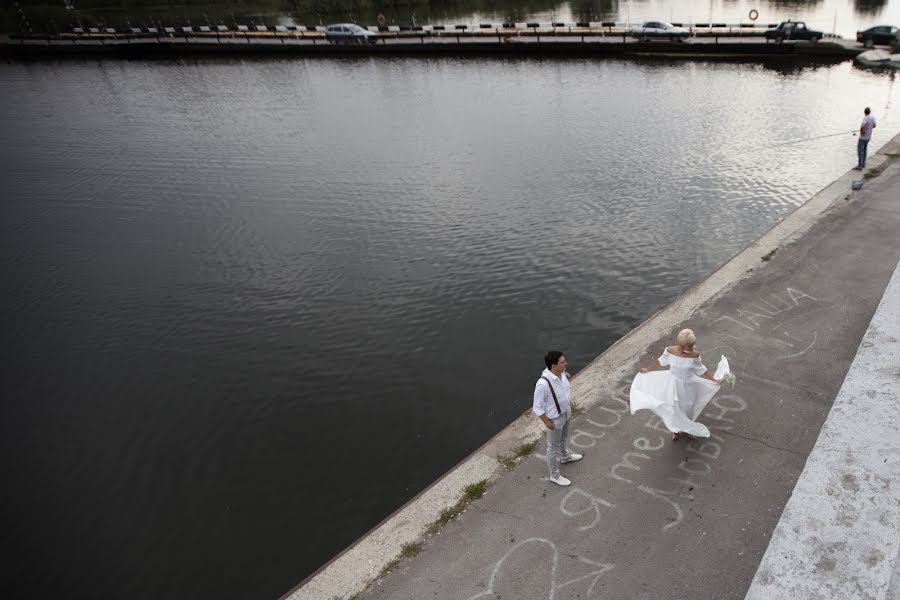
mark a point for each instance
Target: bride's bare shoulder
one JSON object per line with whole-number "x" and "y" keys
{"x": 676, "y": 351}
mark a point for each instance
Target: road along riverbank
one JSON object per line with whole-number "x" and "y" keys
{"x": 646, "y": 517}
{"x": 528, "y": 42}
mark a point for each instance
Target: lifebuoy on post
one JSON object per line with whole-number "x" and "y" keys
{"x": 754, "y": 14}
{"x": 381, "y": 19}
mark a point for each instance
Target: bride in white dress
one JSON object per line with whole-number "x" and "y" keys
{"x": 678, "y": 395}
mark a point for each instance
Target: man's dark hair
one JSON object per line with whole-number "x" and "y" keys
{"x": 552, "y": 357}
{"x": 867, "y": 111}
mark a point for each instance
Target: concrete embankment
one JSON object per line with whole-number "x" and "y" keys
{"x": 649, "y": 518}
{"x": 527, "y": 43}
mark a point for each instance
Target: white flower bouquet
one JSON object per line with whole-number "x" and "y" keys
{"x": 724, "y": 375}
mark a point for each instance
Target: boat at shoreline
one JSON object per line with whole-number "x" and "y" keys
{"x": 878, "y": 58}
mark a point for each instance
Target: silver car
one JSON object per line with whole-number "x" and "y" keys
{"x": 659, "y": 30}
{"x": 349, "y": 33}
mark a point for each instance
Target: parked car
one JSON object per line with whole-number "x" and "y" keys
{"x": 659, "y": 30}
{"x": 793, "y": 30}
{"x": 880, "y": 35}
{"x": 349, "y": 33}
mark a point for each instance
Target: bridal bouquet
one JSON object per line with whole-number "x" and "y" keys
{"x": 728, "y": 380}
{"x": 724, "y": 374}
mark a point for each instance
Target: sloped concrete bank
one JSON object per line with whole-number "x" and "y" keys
{"x": 646, "y": 518}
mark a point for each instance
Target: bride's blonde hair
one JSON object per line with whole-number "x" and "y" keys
{"x": 686, "y": 337}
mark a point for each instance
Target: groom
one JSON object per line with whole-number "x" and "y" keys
{"x": 551, "y": 405}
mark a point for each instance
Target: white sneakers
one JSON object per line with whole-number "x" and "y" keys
{"x": 573, "y": 457}
{"x": 563, "y": 481}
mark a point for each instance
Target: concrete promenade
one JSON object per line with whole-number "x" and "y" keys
{"x": 839, "y": 535}
{"x": 649, "y": 518}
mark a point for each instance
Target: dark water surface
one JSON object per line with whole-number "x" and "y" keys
{"x": 251, "y": 307}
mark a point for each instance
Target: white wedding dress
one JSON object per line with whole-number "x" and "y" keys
{"x": 678, "y": 395}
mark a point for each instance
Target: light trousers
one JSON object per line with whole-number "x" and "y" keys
{"x": 556, "y": 443}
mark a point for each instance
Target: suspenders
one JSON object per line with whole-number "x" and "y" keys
{"x": 555, "y": 401}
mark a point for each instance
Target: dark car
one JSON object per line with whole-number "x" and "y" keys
{"x": 793, "y": 30}
{"x": 349, "y": 33}
{"x": 880, "y": 35}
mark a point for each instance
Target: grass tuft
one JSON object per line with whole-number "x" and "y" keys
{"x": 577, "y": 410}
{"x": 769, "y": 256}
{"x": 872, "y": 173}
{"x": 390, "y": 566}
{"x": 411, "y": 549}
{"x": 470, "y": 493}
{"x": 407, "y": 551}
{"x": 509, "y": 461}
{"x": 474, "y": 491}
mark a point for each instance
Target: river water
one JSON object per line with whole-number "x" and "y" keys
{"x": 252, "y": 306}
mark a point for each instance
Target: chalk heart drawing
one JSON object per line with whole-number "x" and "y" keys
{"x": 537, "y": 559}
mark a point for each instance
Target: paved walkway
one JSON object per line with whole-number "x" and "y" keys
{"x": 646, "y": 517}
{"x": 839, "y": 535}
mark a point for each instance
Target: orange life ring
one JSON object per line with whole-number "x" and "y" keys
{"x": 381, "y": 19}
{"x": 754, "y": 14}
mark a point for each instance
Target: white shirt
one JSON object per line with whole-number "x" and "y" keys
{"x": 868, "y": 124}
{"x": 543, "y": 399}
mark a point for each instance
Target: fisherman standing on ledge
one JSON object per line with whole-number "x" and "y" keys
{"x": 552, "y": 406}
{"x": 865, "y": 134}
